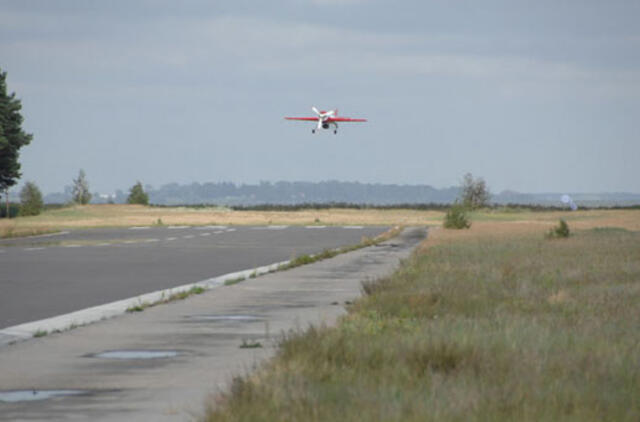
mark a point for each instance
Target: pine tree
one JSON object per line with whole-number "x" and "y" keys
{"x": 12, "y": 137}
{"x": 30, "y": 200}
{"x": 137, "y": 195}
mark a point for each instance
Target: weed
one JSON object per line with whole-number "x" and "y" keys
{"x": 195, "y": 290}
{"x": 40, "y": 333}
{"x": 138, "y": 308}
{"x": 456, "y": 217}
{"x": 302, "y": 260}
{"x": 560, "y": 231}
{"x": 249, "y": 344}
{"x": 234, "y": 281}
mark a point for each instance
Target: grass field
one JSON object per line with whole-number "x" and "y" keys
{"x": 135, "y": 215}
{"x": 491, "y": 323}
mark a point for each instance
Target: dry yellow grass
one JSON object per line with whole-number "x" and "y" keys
{"x": 491, "y": 222}
{"x": 499, "y": 225}
{"x": 136, "y": 215}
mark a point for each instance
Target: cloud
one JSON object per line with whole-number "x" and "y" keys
{"x": 316, "y": 49}
{"x": 337, "y": 2}
{"x": 192, "y": 48}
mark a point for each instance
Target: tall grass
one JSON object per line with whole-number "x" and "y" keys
{"x": 486, "y": 329}
{"x": 9, "y": 231}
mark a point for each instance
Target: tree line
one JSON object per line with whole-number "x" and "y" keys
{"x": 31, "y": 202}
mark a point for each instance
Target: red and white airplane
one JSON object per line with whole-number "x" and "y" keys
{"x": 325, "y": 119}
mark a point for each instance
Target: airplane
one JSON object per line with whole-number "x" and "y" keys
{"x": 325, "y": 119}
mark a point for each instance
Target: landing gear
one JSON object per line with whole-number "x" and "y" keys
{"x": 335, "y": 125}
{"x": 335, "y": 131}
{"x": 313, "y": 131}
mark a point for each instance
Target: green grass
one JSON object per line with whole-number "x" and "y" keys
{"x": 41, "y": 333}
{"x": 490, "y": 329}
{"x": 233, "y": 281}
{"x": 195, "y": 290}
{"x": 139, "y": 307}
{"x": 249, "y": 344}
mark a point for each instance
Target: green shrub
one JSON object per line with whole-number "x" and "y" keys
{"x": 137, "y": 195}
{"x": 560, "y": 231}
{"x": 456, "y": 217}
{"x": 302, "y": 260}
{"x": 30, "y": 200}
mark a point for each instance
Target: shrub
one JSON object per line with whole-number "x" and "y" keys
{"x": 456, "y": 217}
{"x": 137, "y": 195}
{"x": 560, "y": 231}
{"x": 30, "y": 200}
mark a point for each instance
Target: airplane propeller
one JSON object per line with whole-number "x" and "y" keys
{"x": 323, "y": 114}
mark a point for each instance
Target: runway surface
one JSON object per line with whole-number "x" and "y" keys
{"x": 45, "y": 276}
{"x": 193, "y": 347}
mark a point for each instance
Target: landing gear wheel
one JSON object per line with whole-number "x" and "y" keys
{"x": 313, "y": 131}
{"x": 335, "y": 132}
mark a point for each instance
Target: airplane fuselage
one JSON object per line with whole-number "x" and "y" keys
{"x": 326, "y": 119}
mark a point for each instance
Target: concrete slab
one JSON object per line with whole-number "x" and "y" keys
{"x": 47, "y": 277}
{"x": 206, "y": 331}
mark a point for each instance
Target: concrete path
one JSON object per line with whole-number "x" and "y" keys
{"x": 206, "y": 331}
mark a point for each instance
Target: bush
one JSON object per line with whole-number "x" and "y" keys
{"x": 137, "y": 195}
{"x": 456, "y": 217}
{"x": 560, "y": 231}
{"x": 30, "y": 200}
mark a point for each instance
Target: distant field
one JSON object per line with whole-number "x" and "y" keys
{"x": 492, "y": 323}
{"x": 135, "y": 215}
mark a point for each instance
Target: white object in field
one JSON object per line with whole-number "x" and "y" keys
{"x": 566, "y": 199}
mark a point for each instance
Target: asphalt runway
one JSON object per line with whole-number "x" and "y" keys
{"x": 41, "y": 277}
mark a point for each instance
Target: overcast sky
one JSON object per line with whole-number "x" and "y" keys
{"x": 533, "y": 96}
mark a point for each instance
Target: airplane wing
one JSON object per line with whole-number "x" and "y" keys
{"x": 344, "y": 119}
{"x": 309, "y": 119}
